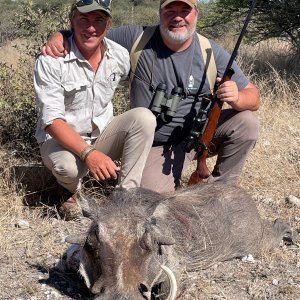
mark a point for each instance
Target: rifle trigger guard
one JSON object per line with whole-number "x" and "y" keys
{"x": 200, "y": 148}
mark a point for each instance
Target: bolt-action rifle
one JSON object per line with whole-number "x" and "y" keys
{"x": 205, "y": 123}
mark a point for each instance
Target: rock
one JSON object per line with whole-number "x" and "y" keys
{"x": 293, "y": 200}
{"x": 23, "y": 224}
{"x": 249, "y": 259}
{"x": 275, "y": 282}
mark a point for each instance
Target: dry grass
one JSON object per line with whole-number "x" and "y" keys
{"x": 277, "y": 152}
{"x": 12, "y": 51}
{"x": 28, "y": 255}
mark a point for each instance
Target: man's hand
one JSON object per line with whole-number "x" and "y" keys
{"x": 228, "y": 92}
{"x": 246, "y": 99}
{"x": 56, "y": 46}
{"x": 101, "y": 166}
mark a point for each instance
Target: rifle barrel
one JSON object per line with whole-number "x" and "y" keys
{"x": 202, "y": 171}
{"x": 239, "y": 40}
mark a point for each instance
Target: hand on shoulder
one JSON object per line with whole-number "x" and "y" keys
{"x": 56, "y": 46}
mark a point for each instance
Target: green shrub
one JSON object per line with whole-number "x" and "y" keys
{"x": 17, "y": 104}
{"x": 17, "y": 100}
{"x": 36, "y": 24}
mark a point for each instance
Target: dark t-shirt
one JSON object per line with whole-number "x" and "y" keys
{"x": 158, "y": 64}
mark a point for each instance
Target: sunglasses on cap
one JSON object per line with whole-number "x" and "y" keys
{"x": 103, "y": 3}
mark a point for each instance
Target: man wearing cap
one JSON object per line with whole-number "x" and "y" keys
{"x": 76, "y": 129}
{"x": 173, "y": 56}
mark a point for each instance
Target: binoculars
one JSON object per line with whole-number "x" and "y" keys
{"x": 166, "y": 104}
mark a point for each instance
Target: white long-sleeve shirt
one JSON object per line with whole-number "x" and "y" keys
{"x": 69, "y": 89}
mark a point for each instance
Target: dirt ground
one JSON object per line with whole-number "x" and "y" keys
{"x": 32, "y": 257}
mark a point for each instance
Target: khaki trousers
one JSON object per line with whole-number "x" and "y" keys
{"x": 235, "y": 137}
{"x": 128, "y": 137}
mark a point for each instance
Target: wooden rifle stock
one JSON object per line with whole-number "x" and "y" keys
{"x": 202, "y": 170}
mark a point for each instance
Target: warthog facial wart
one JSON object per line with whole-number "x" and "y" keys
{"x": 142, "y": 244}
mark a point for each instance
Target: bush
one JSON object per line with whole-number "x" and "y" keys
{"x": 17, "y": 104}
{"x": 17, "y": 98}
{"x": 37, "y": 24}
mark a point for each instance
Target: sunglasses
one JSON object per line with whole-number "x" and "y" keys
{"x": 103, "y": 3}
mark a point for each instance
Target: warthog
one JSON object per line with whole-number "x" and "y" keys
{"x": 141, "y": 242}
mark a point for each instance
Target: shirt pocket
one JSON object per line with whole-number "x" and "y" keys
{"x": 112, "y": 76}
{"x": 76, "y": 95}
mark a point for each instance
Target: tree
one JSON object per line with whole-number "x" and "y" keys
{"x": 271, "y": 19}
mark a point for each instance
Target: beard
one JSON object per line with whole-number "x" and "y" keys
{"x": 178, "y": 37}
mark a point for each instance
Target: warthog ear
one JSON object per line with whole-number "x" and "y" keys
{"x": 281, "y": 227}
{"x": 88, "y": 206}
{"x": 282, "y": 231}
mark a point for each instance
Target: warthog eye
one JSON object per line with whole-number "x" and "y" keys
{"x": 146, "y": 241}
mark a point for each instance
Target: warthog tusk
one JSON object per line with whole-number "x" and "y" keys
{"x": 172, "y": 281}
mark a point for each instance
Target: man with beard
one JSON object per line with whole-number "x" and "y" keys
{"x": 173, "y": 56}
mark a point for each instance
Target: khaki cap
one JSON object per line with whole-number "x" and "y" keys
{"x": 191, "y": 3}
